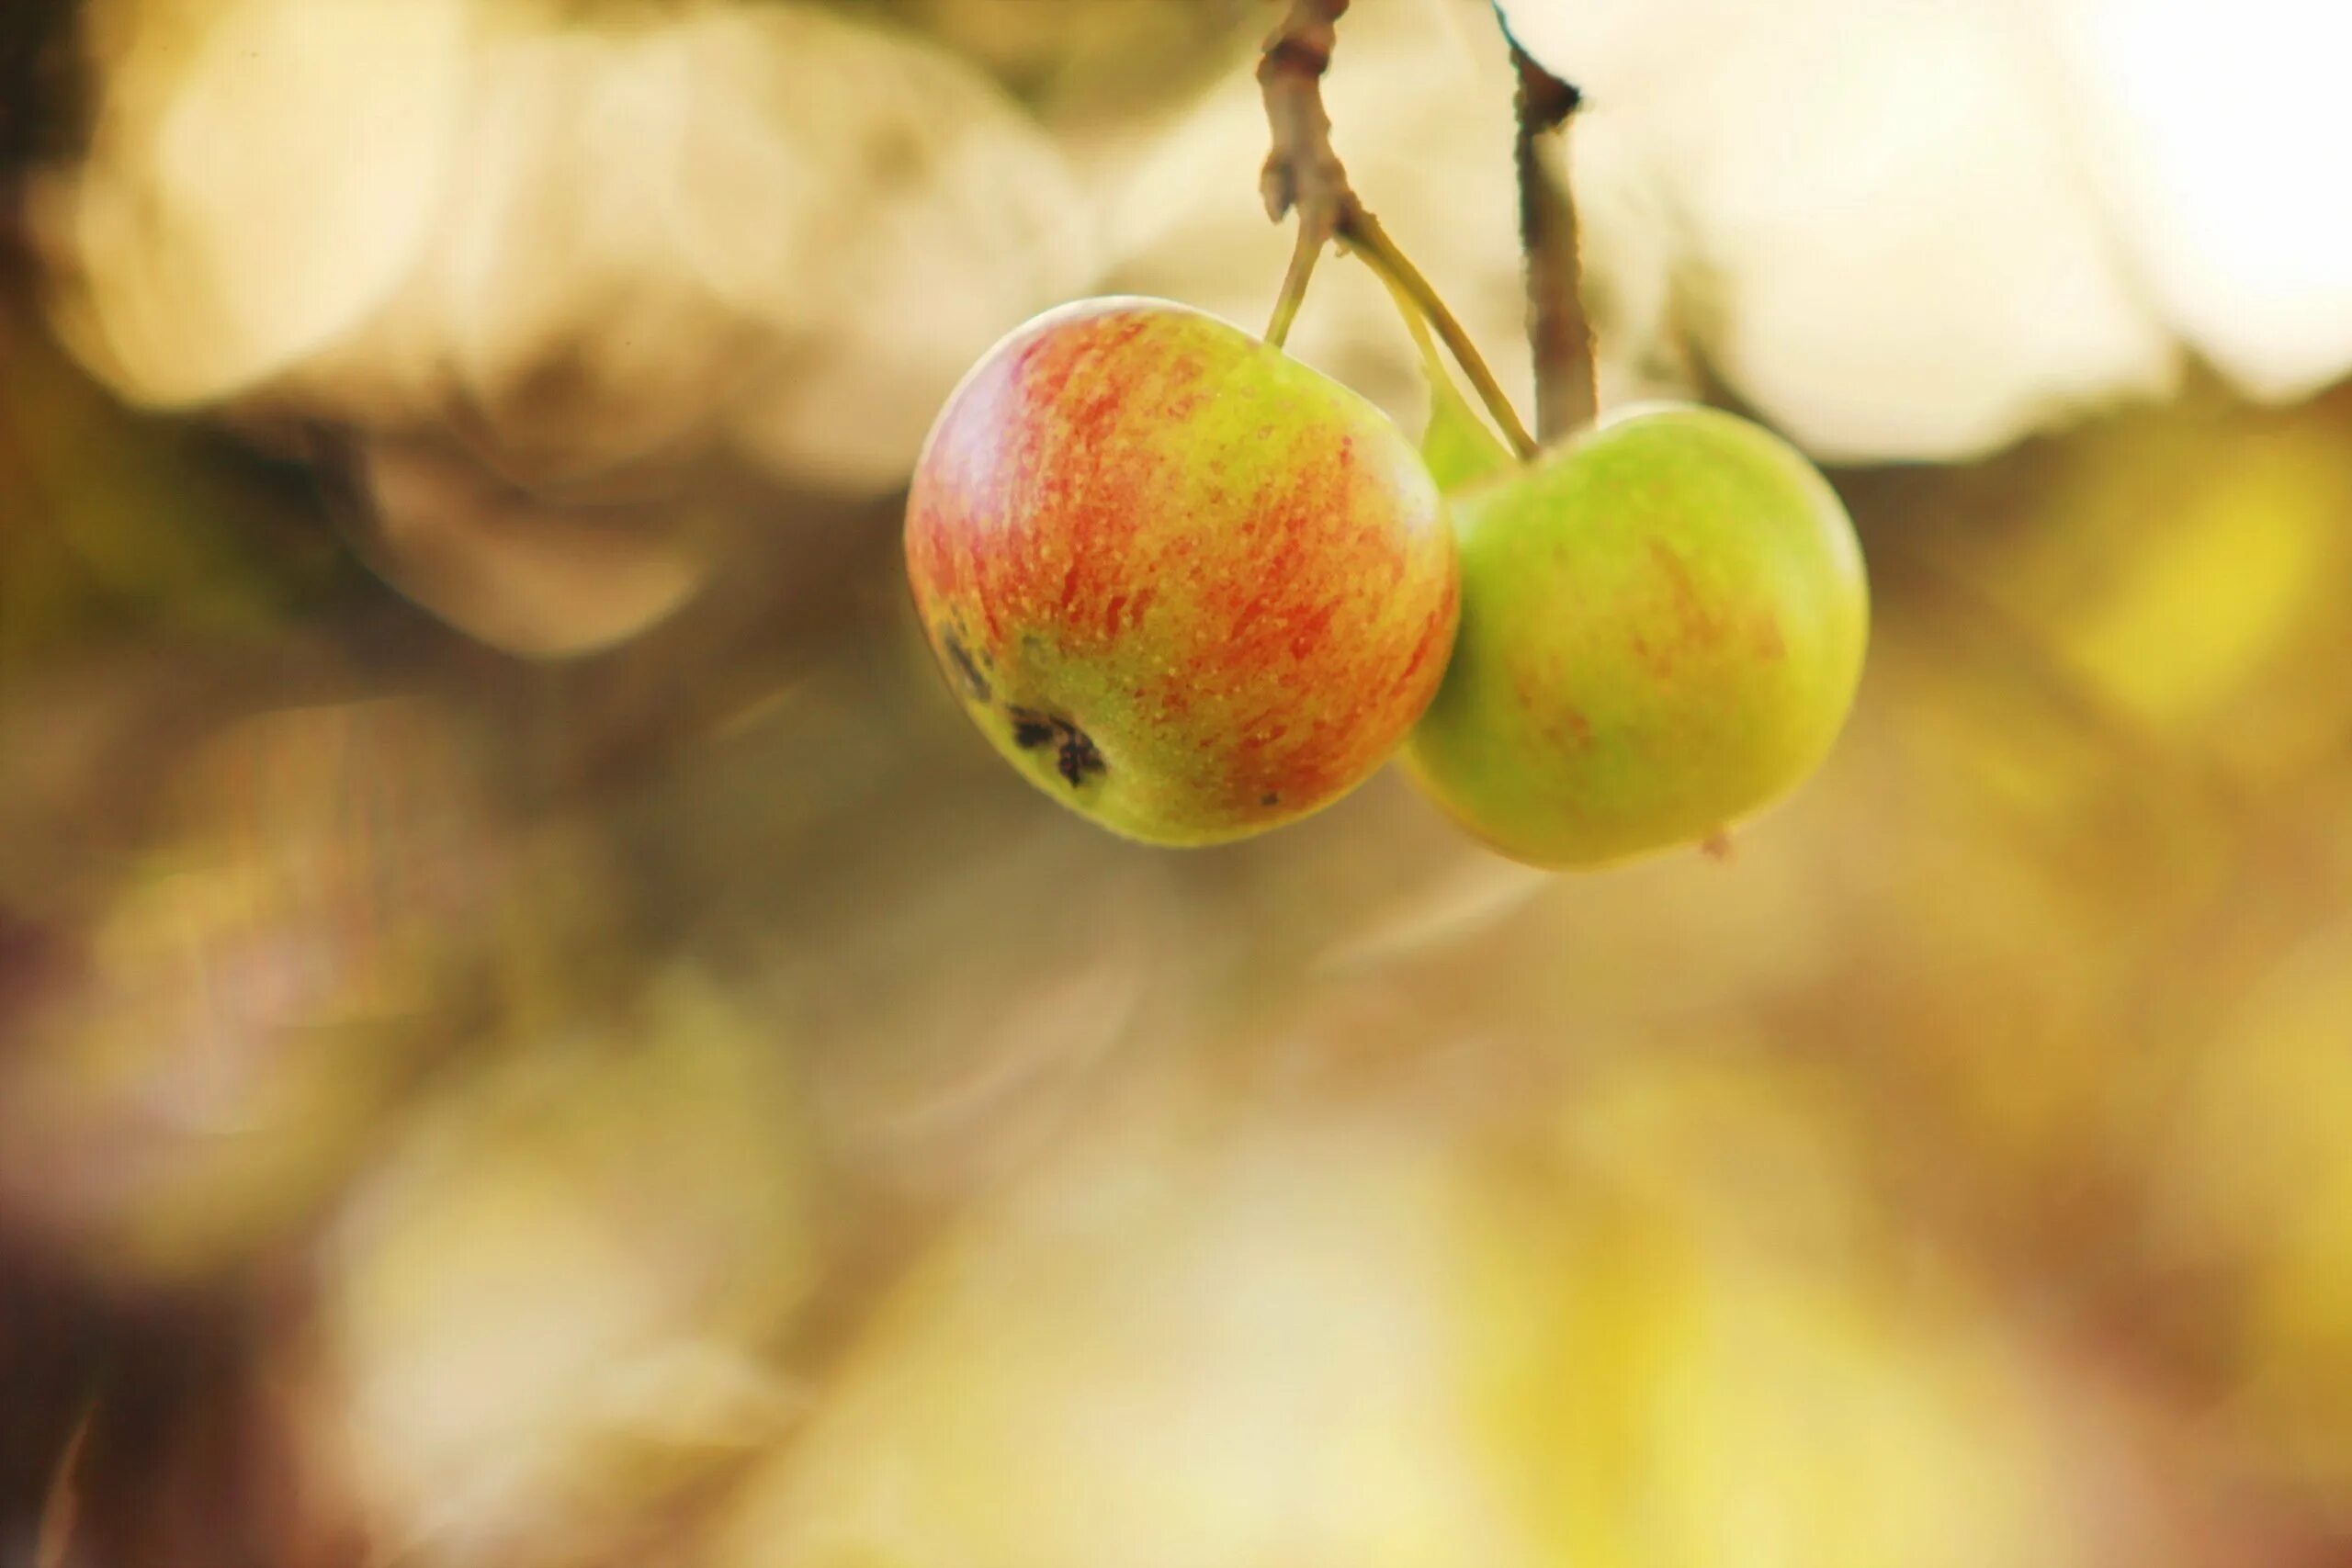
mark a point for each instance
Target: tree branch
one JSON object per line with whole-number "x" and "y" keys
{"x": 1558, "y": 335}
{"x": 1304, "y": 174}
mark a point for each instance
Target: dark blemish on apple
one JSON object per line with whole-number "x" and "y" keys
{"x": 1075, "y": 757}
{"x": 1031, "y": 730}
{"x": 975, "y": 683}
{"x": 1269, "y": 799}
{"x": 1079, "y": 759}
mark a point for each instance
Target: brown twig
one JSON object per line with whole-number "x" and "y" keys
{"x": 1304, "y": 174}
{"x": 1558, "y": 333}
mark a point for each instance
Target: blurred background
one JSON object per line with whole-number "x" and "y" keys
{"x": 533, "y": 1034}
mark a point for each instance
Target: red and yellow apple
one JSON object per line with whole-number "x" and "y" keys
{"x": 1663, "y": 623}
{"x": 1187, "y": 585}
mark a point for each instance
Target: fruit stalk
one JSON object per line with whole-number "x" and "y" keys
{"x": 1303, "y": 174}
{"x": 1558, "y": 333}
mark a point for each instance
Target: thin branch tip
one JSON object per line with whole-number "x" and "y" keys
{"x": 1559, "y": 335}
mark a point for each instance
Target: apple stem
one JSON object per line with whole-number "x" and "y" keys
{"x": 1559, "y": 335}
{"x": 1364, "y": 235}
{"x": 1303, "y": 257}
{"x": 1417, "y": 329}
{"x": 1303, "y": 172}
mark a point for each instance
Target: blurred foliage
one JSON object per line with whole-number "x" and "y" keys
{"x": 672, "y": 1098}
{"x": 100, "y": 501}
{"x": 1087, "y": 60}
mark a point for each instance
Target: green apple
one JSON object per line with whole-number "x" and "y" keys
{"x": 1185, "y": 584}
{"x": 1663, "y": 624}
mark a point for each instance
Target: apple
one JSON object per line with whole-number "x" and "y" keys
{"x": 1187, "y": 585}
{"x": 1662, "y": 627}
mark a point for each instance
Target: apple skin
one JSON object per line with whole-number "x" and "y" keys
{"x": 1186, "y": 585}
{"x": 1663, "y": 625}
